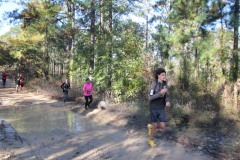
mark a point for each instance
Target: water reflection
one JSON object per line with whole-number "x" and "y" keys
{"x": 44, "y": 119}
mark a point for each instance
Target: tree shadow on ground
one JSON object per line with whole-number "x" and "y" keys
{"x": 199, "y": 122}
{"x": 196, "y": 121}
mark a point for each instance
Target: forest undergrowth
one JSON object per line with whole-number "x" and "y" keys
{"x": 201, "y": 121}
{"x": 195, "y": 119}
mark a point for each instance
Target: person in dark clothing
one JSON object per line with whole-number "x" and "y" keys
{"x": 158, "y": 100}
{"x": 4, "y": 79}
{"x": 19, "y": 81}
{"x": 65, "y": 87}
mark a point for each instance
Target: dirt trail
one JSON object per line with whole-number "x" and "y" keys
{"x": 95, "y": 143}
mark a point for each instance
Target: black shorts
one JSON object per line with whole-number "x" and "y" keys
{"x": 158, "y": 115}
{"x": 18, "y": 84}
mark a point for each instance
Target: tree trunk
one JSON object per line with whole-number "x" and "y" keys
{"x": 223, "y": 63}
{"x": 185, "y": 67}
{"x": 46, "y": 66}
{"x": 234, "y": 64}
{"x": 235, "y": 53}
{"x": 92, "y": 39}
{"x": 147, "y": 30}
{"x": 196, "y": 65}
{"x": 110, "y": 46}
{"x": 235, "y": 97}
{"x": 70, "y": 44}
{"x": 101, "y": 24}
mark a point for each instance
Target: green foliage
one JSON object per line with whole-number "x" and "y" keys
{"x": 126, "y": 65}
{"x": 186, "y": 41}
{"x": 5, "y": 57}
{"x": 127, "y": 79}
{"x": 25, "y": 47}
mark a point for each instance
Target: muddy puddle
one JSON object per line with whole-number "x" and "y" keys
{"x": 45, "y": 119}
{"x": 51, "y": 131}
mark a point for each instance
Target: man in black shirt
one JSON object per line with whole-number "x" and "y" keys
{"x": 65, "y": 87}
{"x": 158, "y": 100}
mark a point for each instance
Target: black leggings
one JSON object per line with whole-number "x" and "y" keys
{"x": 88, "y": 100}
{"x": 4, "y": 82}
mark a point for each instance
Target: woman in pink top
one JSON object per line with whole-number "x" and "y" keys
{"x": 87, "y": 92}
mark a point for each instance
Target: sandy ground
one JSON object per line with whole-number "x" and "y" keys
{"x": 103, "y": 141}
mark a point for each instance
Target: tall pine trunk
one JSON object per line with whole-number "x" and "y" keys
{"x": 46, "y": 67}
{"x": 196, "y": 64}
{"x": 70, "y": 41}
{"x": 92, "y": 38}
{"x": 147, "y": 25}
{"x": 101, "y": 24}
{"x": 110, "y": 45}
{"x": 235, "y": 54}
